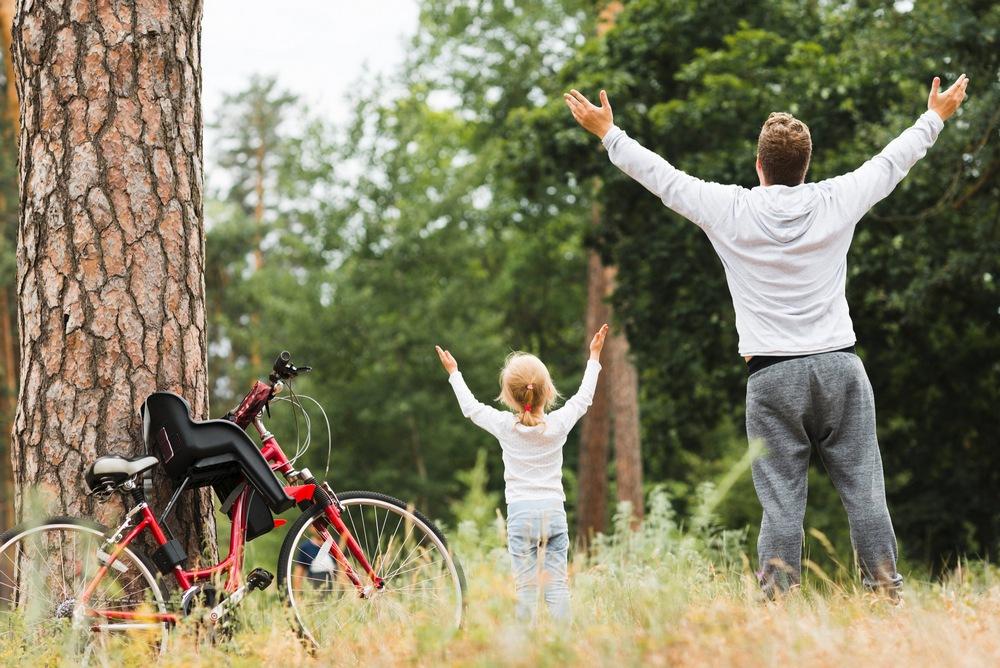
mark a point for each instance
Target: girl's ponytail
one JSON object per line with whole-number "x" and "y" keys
{"x": 531, "y": 413}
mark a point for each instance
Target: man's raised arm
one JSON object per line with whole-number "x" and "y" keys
{"x": 701, "y": 202}
{"x": 872, "y": 182}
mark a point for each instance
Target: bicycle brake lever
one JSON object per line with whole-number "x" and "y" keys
{"x": 304, "y": 369}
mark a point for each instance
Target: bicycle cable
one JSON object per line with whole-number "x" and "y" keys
{"x": 300, "y": 451}
{"x": 301, "y": 446}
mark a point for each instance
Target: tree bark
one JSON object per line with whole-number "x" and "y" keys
{"x": 592, "y": 479}
{"x": 110, "y": 260}
{"x": 616, "y": 402}
{"x": 623, "y": 387}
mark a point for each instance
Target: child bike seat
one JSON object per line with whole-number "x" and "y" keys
{"x": 206, "y": 453}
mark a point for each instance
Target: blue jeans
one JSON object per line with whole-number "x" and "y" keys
{"x": 538, "y": 541}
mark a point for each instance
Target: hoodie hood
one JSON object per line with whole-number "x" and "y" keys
{"x": 784, "y": 213}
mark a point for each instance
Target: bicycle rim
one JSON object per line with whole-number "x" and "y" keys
{"x": 45, "y": 569}
{"x": 421, "y": 580}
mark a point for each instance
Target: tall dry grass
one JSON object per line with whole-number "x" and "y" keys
{"x": 662, "y": 595}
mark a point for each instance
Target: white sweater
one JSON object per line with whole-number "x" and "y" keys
{"x": 532, "y": 456}
{"x": 784, "y": 249}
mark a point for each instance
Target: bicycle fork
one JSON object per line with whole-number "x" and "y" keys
{"x": 330, "y": 546}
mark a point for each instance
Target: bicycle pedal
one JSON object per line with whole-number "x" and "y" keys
{"x": 260, "y": 579}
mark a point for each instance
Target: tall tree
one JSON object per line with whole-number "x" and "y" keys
{"x": 623, "y": 390}
{"x": 616, "y": 411}
{"x": 251, "y": 150}
{"x": 110, "y": 261}
{"x": 271, "y": 230}
{"x": 595, "y": 431}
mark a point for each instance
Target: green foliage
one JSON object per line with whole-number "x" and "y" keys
{"x": 478, "y": 506}
{"x": 693, "y": 81}
{"x": 456, "y": 209}
{"x": 410, "y": 232}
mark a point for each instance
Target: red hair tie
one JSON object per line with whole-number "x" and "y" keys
{"x": 527, "y": 408}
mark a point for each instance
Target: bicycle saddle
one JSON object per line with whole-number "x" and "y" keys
{"x": 114, "y": 470}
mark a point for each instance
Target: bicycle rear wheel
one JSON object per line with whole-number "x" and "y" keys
{"x": 44, "y": 571}
{"x": 422, "y": 579}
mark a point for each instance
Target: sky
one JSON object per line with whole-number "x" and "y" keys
{"x": 316, "y": 49}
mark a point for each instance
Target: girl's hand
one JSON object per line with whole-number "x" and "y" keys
{"x": 447, "y": 361}
{"x": 597, "y": 343}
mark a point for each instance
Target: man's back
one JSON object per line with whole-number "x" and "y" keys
{"x": 784, "y": 249}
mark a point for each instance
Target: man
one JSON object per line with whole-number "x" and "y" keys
{"x": 783, "y": 246}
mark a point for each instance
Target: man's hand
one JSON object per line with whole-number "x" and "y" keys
{"x": 597, "y": 120}
{"x": 597, "y": 343}
{"x": 447, "y": 361}
{"x": 945, "y": 104}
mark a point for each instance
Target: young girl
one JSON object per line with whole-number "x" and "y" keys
{"x": 532, "y": 442}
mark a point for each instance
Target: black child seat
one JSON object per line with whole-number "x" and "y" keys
{"x": 213, "y": 452}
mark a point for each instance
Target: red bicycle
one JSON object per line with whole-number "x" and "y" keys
{"x": 349, "y": 557}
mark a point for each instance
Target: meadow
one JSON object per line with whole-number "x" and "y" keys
{"x": 659, "y": 594}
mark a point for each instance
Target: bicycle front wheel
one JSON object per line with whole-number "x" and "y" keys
{"x": 46, "y": 570}
{"x": 421, "y": 578}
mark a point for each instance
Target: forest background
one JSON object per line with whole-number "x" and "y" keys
{"x": 460, "y": 205}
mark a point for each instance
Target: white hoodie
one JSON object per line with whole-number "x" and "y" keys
{"x": 784, "y": 248}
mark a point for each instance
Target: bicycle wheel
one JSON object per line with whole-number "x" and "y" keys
{"x": 422, "y": 579}
{"x": 44, "y": 570}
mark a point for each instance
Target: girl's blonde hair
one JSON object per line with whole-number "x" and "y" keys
{"x": 526, "y": 387}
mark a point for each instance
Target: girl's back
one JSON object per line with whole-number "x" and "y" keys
{"x": 532, "y": 454}
{"x": 532, "y": 442}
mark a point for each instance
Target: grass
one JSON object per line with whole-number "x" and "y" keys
{"x": 657, "y": 596}
{"x": 660, "y": 594}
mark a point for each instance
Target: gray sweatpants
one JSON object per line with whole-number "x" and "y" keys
{"x": 823, "y": 401}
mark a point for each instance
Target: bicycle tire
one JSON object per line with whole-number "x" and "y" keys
{"x": 61, "y": 522}
{"x": 303, "y": 521}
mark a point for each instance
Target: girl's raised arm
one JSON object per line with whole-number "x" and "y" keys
{"x": 577, "y": 405}
{"x": 483, "y": 416}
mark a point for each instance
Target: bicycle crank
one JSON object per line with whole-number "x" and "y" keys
{"x": 258, "y": 579}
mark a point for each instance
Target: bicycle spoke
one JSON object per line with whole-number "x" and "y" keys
{"x": 395, "y": 530}
{"x": 400, "y": 551}
{"x": 419, "y": 575}
{"x": 411, "y": 570}
{"x": 46, "y": 595}
{"x": 354, "y": 529}
{"x": 413, "y": 585}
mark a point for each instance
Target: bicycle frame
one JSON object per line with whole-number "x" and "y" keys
{"x": 232, "y": 565}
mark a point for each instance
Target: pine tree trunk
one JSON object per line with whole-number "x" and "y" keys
{"x": 623, "y": 387}
{"x": 110, "y": 260}
{"x": 592, "y": 479}
{"x": 619, "y": 376}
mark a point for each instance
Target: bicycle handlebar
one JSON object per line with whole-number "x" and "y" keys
{"x": 283, "y": 369}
